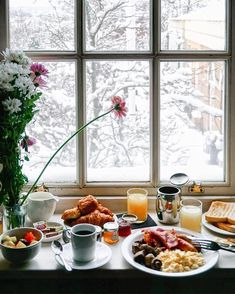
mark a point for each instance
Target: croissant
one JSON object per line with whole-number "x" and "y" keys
{"x": 104, "y": 210}
{"x": 96, "y": 218}
{"x": 87, "y": 204}
{"x": 72, "y": 213}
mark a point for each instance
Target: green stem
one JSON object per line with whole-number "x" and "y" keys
{"x": 48, "y": 162}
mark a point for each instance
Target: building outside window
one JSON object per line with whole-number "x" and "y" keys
{"x": 170, "y": 61}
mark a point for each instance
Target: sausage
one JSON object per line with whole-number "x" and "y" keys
{"x": 185, "y": 246}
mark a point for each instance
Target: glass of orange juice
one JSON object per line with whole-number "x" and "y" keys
{"x": 137, "y": 203}
{"x": 191, "y": 214}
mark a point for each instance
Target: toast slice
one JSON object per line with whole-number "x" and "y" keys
{"x": 221, "y": 212}
{"x": 226, "y": 227}
{"x": 229, "y": 241}
{"x": 231, "y": 216}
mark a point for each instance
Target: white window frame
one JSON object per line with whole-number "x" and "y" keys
{"x": 155, "y": 56}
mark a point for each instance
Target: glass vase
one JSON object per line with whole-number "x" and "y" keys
{"x": 14, "y": 216}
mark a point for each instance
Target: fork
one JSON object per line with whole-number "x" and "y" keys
{"x": 212, "y": 245}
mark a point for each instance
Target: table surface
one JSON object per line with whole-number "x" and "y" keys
{"x": 45, "y": 260}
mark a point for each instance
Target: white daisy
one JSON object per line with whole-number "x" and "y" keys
{"x": 17, "y": 57}
{"x": 9, "y": 72}
{"x": 24, "y": 84}
{"x": 12, "y": 105}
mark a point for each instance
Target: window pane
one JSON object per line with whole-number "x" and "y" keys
{"x": 41, "y": 24}
{"x": 118, "y": 149}
{"x": 54, "y": 123}
{"x": 192, "y": 119}
{"x": 117, "y": 25}
{"x": 193, "y": 25}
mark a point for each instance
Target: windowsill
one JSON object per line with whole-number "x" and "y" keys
{"x": 45, "y": 259}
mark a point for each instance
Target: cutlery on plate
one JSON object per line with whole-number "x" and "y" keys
{"x": 57, "y": 248}
{"x": 212, "y": 245}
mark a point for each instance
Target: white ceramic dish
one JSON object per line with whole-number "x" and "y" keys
{"x": 211, "y": 257}
{"x": 102, "y": 256}
{"x": 57, "y": 237}
{"x": 214, "y": 228}
{"x": 50, "y": 239}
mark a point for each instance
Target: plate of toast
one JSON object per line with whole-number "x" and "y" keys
{"x": 220, "y": 218}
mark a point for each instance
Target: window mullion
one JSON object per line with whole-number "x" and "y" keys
{"x": 3, "y": 25}
{"x": 80, "y": 100}
{"x": 154, "y": 117}
{"x": 79, "y": 26}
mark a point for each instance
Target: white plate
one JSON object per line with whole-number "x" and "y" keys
{"x": 102, "y": 255}
{"x": 210, "y": 257}
{"x": 50, "y": 239}
{"x": 214, "y": 228}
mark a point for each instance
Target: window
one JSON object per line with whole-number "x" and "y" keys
{"x": 170, "y": 61}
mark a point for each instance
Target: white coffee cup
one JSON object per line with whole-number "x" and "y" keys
{"x": 83, "y": 239}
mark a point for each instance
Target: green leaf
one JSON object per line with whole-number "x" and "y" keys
{"x": 26, "y": 158}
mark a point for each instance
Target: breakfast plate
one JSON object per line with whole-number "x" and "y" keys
{"x": 102, "y": 255}
{"x": 55, "y": 230}
{"x": 50, "y": 239}
{"x": 214, "y": 228}
{"x": 210, "y": 257}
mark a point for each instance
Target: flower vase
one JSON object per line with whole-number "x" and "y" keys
{"x": 14, "y": 216}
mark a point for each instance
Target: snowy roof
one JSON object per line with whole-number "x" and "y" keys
{"x": 214, "y": 11}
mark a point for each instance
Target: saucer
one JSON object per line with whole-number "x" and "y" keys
{"x": 102, "y": 255}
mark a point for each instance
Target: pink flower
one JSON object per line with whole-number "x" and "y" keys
{"x": 27, "y": 141}
{"x": 38, "y": 69}
{"x": 31, "y": 141}
{"x": 119, "y": 106}
{"x": 39, "y": 82}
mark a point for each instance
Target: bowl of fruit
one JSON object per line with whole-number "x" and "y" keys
{"x": 21, "y": 244}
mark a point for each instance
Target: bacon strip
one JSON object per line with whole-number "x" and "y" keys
{"x": 168, "y": 239}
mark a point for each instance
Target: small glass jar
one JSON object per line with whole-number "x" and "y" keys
{"x": 110, "y": 234}
{"x": 124, "y": 228}
{"x": 125, "y": 222}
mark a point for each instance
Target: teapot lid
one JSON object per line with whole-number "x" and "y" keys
{"x": 179, "y": 179}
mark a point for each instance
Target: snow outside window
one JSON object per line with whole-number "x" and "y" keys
{"x": 169, "y": 60}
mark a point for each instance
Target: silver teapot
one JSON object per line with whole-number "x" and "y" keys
{"x": 168, "y": 199}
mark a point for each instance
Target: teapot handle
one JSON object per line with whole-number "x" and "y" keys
{"x": 56, "y": 198}
{"x": 159, "y": 208}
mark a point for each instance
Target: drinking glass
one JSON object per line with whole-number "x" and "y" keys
{"x": 137, "y": 203}
{"x": 191, "y": 214}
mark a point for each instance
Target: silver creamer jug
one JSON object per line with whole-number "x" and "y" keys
{"x": 168, "y": 204}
